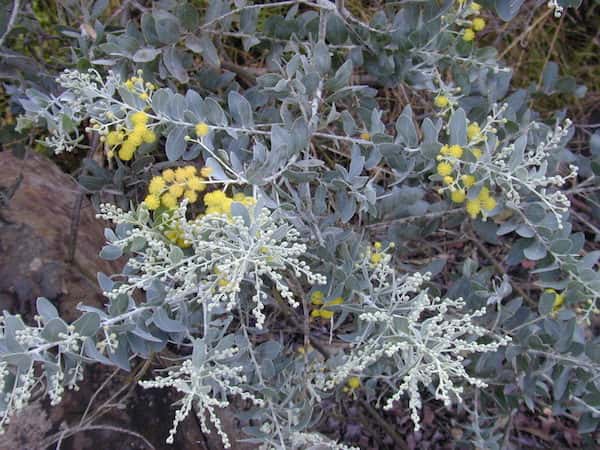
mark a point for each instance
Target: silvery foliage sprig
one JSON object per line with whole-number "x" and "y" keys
{"x": 202, "y": 378}
{"x": 423, "y": 338}
{"x": 84, "y": 95}
{"x": 516, "y": 165}
{"x": 50, "y": 345}
{"x": 225, "y": 254}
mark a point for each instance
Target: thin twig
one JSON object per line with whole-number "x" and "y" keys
{"x": 11, "y": 21}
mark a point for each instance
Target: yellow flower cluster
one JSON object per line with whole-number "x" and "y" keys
{"x": 130, "y": 140}
{"x": 137, "y": 86}
{"x": 484, "y": 201}
{"x": 172, "y": 186}
{"x": 441, "y": 101}
{"x": 320, "y": 310}
{"x": 477, "y": 24}
{"x": 459, "y": 186}
{"x": 365, "y": 136}
{"x": 352, "y": 384}
{"x": 202, "y": 129}
{"x": 217, "y": 202}
{"x": 175, "y": 234}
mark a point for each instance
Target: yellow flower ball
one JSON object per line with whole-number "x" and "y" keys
{"x": 445, "y": 150}
{"x": 488, "y": 203}
{"x": 180, "y": 174}
{"x": 376, "y": 258}
{"x": 148, "y": 136}
{"x": 476, "y": 153}
{"x": 353, "y": 382}
{"x": 336, "y": 301}
{"x": 168, "y": 175}
{"x": 139, "y": 118}
{"x": 468, "y": 35}
{"x": 206, "y": 171}
{"x": 157, "y": 185}
{"x": 444, "y": 169}
{"x": 126, "y": 152}
{"x": 473, "y": 131}
{"x": 456, "y": 151}
{"x": 447, "y": 180}
{"x": 316, "y": 298}
{"x": 152, "y": 202}
{"x": 468, "y": 180}
{"x": 484, "y": 193}
{"x": 315, "y": 313}
{"x": 214, "y": 198}
{"x": 144, "y": 96}
{"x": 365, "y": 136}
{"x": 114, "y": 138}
{"x": 478, "y": 24}
{"x": 191, "y": 196}
{"x": 377, "y": 245}
{"x": 202, "y": 129}
{"x": 458, "y": 196}
{"x": 136, "y": 138}
{"x": 473, "y": 208}
{"x": 327, "y": 315}
{"x": 195, "y": 183}
{"x": 190, "y": 171}
{"x": 176, "y": 190}
{"x": 475, "y": 7}
{"x": 441, "y": 101}
{"x": 169, "y": 200}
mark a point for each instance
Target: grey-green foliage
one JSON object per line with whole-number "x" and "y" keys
{"x": 310, "y": 139}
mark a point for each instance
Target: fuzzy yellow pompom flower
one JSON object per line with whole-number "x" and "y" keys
{"x": 475, "y": 7}
{"x": 176, "y": 190}
{"x": 215, "y": 198}
{"x": 488, "y": 203}
{"x": 195, "y": 183}
{"x": 353, "y": 383}
{"x": 139, "y": 118}
{"x": 315, "y": 313}
{"x": 190, "y": 171}
{"x": 376, "y": 258}
{"x": 456, "y": 151}
{"x": 148, "y": 136}
{"x": 458, "y": 196}
{"x": 473, "y": 208}
{"x": 444, "y": 150}
{"x": 136, "y": 137}
{"x": 473, "y": 131}
{"x": 191, "y": 196}
{"x": 478, "y": 24}
{"x": 448, "y": 180}
{"x": 157, "y": 185}
{"x": 206, "y": 171}
{"x": 169, "y": 200}
{"x": 316, "y": 298}
{"x": 202, "y": 129}
{"x": 144, "y": 96}
{"x": 114, "y": 138}
{"x": 441, "y": 101}
{"x": 476, "y": 152}
{"x": 126, "y": 152}
{"x": 365, "y": 136}
{"x": 468, "y": 35}
{"x": 468, "y": 180}
{"x": 168, "y": 175}
{"x": 180, "y": 174}
{"x": 152, "y": 202}
{"x": 377, "y": 245}
{"x": 325, "y": 314}
{"x": 444, "y": 169}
